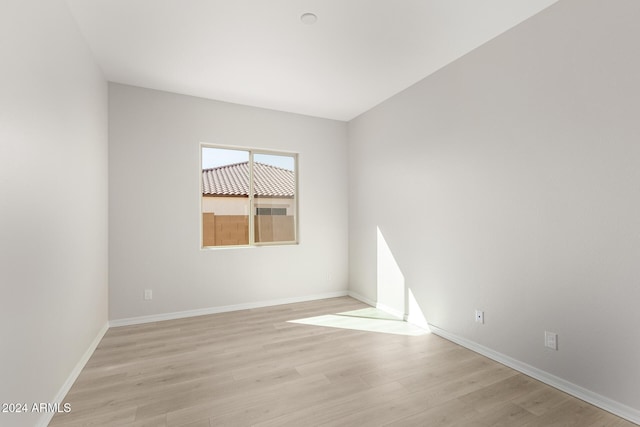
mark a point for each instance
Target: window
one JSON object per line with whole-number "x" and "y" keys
{"x": 236, "y": 182}
{"x": 271, "y": 211}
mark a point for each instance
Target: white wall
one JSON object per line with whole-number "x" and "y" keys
{"x": 53, "y": 202}
{"x": 154, "y": 143}
{"x": 513, "y": 185}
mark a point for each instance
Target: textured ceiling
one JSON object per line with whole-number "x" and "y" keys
{"x": 259, "y": 53}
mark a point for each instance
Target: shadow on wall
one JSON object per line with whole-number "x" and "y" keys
{"x": 393, "y": 296}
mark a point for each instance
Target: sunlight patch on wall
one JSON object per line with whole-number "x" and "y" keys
{"x": 414, "y": 312}
{"x": 390, "y": 280}
{"x": 393, "y": 295}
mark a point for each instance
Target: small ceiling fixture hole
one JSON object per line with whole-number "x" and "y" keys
{"x": 308, "y": 18}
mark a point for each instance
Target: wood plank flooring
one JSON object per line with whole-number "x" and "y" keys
{"x": 253, "y": 368}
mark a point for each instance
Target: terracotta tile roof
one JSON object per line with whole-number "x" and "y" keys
{"x": 233, "y": 180}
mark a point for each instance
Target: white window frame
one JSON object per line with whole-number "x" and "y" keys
{"x": 252, "y": 204}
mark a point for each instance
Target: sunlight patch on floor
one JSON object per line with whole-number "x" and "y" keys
{"x": 367, "y": 319}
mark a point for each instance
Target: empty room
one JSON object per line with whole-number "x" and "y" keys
{"x": 319, "y": 212}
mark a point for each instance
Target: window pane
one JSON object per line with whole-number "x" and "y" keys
{"x": 274, "y": 187}
{"x": 225, "y": 197}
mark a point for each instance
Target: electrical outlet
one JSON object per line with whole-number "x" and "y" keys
{"x": 479, "y": 316}
{"x": 148, "y": 294}
{"x": 551, "y": 340}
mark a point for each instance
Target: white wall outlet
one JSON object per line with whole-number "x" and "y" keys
{"x": 479, "y": 316}
{"x": 148, "y": 294}
{"x": 551, "y": 340}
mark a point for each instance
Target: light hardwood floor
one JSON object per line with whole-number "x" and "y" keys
{"x": 253, "y": 368}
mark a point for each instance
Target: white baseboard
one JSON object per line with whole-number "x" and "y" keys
{"x": 46, "y": 417}
{"x": 222, "y": 309}
{"x": 392, "y": 311}
{"x": 361, "y": 298}
{"x": 418, "y": 321}
{"x": 589, "y": 396}
{"x": 414, "y": 320}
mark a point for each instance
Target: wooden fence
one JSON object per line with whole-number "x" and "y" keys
{"x": 227, "y": 230}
